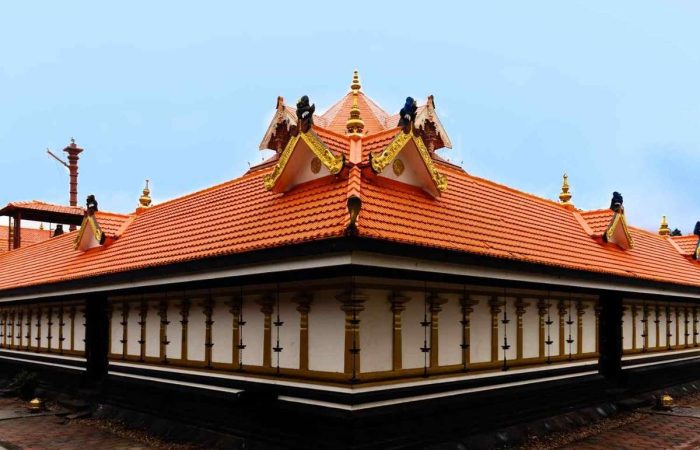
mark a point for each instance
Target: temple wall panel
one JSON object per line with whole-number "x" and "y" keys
{"x": 222, "y": 337}
{"x": 133, "y": 330}
{"x": 55, "y": 328}
{"x": 627, "y": 336}
{"x": 44, "y": 341}
{"x": 663, "y": 338}
{"x": 412, "y": 333}
{"x": 450, "y": 332}
{"x": 288, "y": 333}
{"x": 376, "y": 332}
{"x": 589, "y": 329}
{"x": 552, "y": 331}
{"x": 152, "y": 331}
{"x": 326, "y": 333}
{"x": 116, "y": 329}
{"x": 507, "y": 330}
{"x": 252, "y": 333}
{"x": 174, "y": 330}
{"x": 196, "y": 332}
{"x": 480, "y": 349}
{"x": 531, "y": 329}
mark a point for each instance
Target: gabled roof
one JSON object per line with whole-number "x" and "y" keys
{"x": 29, "y": 236}
{"x": 472, "y": 215}
{"x": 687, "y": 245}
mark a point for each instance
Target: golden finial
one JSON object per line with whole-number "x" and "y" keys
{"x": 41, "y": 226}
{"x": 145, "y": 199}
{"x": 355, "y": 124}
{"x": 565, "y": 195}
{"x": 355, "y": 85}
{"x": 664, "y": 230}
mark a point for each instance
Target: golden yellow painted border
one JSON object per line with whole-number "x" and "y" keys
{"x": 333, "y": 163}
{"x": 619, "y": 220}
{"x": 96, "y": 230}
{"x": 382, "y": 159}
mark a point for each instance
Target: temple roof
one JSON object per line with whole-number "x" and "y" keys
{"x": 29, "y": 236}
{"x": 470, "y": 215}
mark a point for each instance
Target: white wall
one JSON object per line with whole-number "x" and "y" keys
{"x": 531, "y": 329}
{"x": 196, "y": 331}
{"x": 376, "y": 332}
{"x": 133, "y": 329}
{"x": 153, "y": 330}
{"x": 450, "y": 332}
{"x": 480, "y": 349}
{"x": 79, "y": 329}
{"x": 252, "y": 332}
{"x": 412, "y": 333}
{"x": 289, "y": 333}
{"x": 115, "y": 328}
{"x": 222, "y": 333}
{"x": 327, "y": 333}
{"x": 589, "y": 333}
{"x": 174, "y": 330}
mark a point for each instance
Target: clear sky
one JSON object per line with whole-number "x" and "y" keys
{"x": 181, "y": 92}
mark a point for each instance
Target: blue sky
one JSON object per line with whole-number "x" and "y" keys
{"x": 181, "y": 93}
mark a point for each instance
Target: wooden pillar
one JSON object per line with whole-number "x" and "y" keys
{"x": 185, "y": 314}
{"x": 163, "y": 331}
{"x": 669, "y": 321}
{"x": 695, "y": 326}
{"x": 467, "y": 305}
{"x": 495, "y": 305}
{"x": 686, "y": 321}
{"x": 20, "y": 330}
{"x": 303, "y": 301}
{"x": 39, "y": 313}
{"x": 71, "y": 315}
{"x": 633, "y": 313}
{"x": 352, "y": 304}
{"x": 125, "y": 331}
{"x": 235, "y": 308}
{"x": 678, "y": 326}
{"x": 12, "y": 329}
{"x": 610, "y": 336}
{"x": 435, "y": 303}
{"x": 28, "y": 324}
{"x": 562, "y": 310}
{"x": 3, "y": 327}
{"x": 61, "y": 324}
{"x": 645, "y": 328}
{"x": 580, "y": 311}
{"x": 520, "y": 310}
{"x": 657, "y": 321}
{"x": 267, "y": 307}
{"x": 143, "y": 316}
{"x": 542, "y": 307}
{"x": 49, "y": 325}
{"x": 208, "y": 309}
{"x": 96, "y": 337}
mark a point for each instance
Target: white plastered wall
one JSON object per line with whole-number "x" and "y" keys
{"x": 327, "y": 333}
{"x": 133, "y": 329}
{"x": 288, "y": 333}
{"x": 531, "y": 329}
{"x": 196, "y": 331}
{"x": 152, "y": 330}
{"x": 412, "y": 333}
{"x": 252, "y": 354}
{"x": 376, "y": 332}
{"x": 589, "y": 332}
{"x": 222, "y": 333}
{"x": 174, "y": 330}
{"x": 480, "y": 349}
{"x": 450, "y": 332}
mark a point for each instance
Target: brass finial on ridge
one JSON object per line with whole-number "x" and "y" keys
{"x": 565, "y": 195}
{"x": 145, "y": 199}
{"x": 664, "y": 230}
{"x": 355, "y": 125}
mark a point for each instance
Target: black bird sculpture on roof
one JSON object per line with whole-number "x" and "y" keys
{"x": 407, "y": 115}
{"x": 305, "y": 113}
{"x": 616, "y": 202}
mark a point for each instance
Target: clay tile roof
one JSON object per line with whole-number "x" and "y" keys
{"x": 337, "y": 115}
{"x": 687, "y": 244}
{"x": 598, "y": 220}
{"x": 110, "y": 222}
{"x": 36, "y": 205}
{"x": 29, "y": 236}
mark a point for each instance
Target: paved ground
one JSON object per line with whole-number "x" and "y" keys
{"x": 58, "y": 433}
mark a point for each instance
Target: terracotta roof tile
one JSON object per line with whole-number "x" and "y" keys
{"x": 687, "y": 244}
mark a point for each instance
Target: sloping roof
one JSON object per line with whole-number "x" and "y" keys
{"x": 29, "y": 236}
{"x": 35, "y": 205}
{"x": 473, "y": 215}
{"x": 687, "y": 244}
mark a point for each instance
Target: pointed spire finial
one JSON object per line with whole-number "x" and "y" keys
{"x": 355, "y": 85}
{"x": 664, "y": 230}
{"x": 355, "y": 125}
{"x": 565, "y": 195}
{"x": 145, "y": 199}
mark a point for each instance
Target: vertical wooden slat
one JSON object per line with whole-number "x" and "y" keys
{"x": 435, "y": 303}
{"x": 235, "y": 307}
{"x": 520, "y": 310}
{"x": 208, "y": 308}
{"x": 125, "y": 330}
{"x": 185, "y": 314}
{"x": 352, "y": 304}
{"x": 495, "y": 305}
{"x": 39, "y": 313}
{"x": 581, "y": 307}
{"x": 562, "y": 310}
{"x": 143, "y": 316}
{"x": 467, "y": 305}
{"x": 61, "y": 324}
{"x": 303, "y": 301}
{"x": 163, "y": 332}
{"x": 266, "y": 303}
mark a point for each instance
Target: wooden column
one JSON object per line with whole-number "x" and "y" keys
{"x": 163, "y": 331}
{"x": 303, "y": 301}
{"x": 695, "y": 326}
{"x": 686, "y": 321}
{"x": 125, "y": 331}
{"x": 645, "y": 329}
{"x": 12, "y": 329}
{"x": 467, "y": 305}
{"x": 678, "y": 326}
{"x": 71, "y": 315}
{"x": 267, "y": 303}
{"x": 20, "y": 330}
{"x": 28, "y": 324}
{"x": 49, "y": 326}
{"x": 657, "y": 321}
{"x": 435, "y": 303}
{"x": 633, "y": 313}
{"x": 184, "y": 314}
{"x": 562, "y": 310}
{"x": 3, "y": 327}
{"x": 580, "y": 311}
{"x": 39, "y": 313}
{"x": 235, "y": 305}
{"x": 61, "y": 324}
{"x": 143, "y": 316}
{"x": 669, "y": 321}
{"x": 520, "y": 310}
{"x": 352, "y": 304}
{"x": 208, "y": 309}
{"x": 542, "y": 307}
{"x": 495, "y": 305}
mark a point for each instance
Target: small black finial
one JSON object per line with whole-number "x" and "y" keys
{"x": 696, "y": 231}
{"x": 616, "y": 203}
{"x": 407, "y": 115}
{"x": 305, "y": 113}
{"x": 91, "y": 204}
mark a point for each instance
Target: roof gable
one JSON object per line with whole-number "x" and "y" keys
{"x": 90, "y": 234}
{"x": 618, "y": 233}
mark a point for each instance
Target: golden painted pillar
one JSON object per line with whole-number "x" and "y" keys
{"x": 520, "y": 310}
{"x": 467, "y": 305}
{"x": 398, "y": 305}
{"x": 184, "y": 321}
{"x": 580, "y": 311}
{"x": 163, "y": 331}
{"x": 562, "y": 309}
{"x": 435, "y": 303}
{"x": 495, "y": 304}
{"x": 303, "y": 302}
{"x": 678, "y": 326}
{"x": 235, "y": 305}
{"x": 669, "y": 321}
{"x": 267, "y": 303}
{"x": 352, "y": 304}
